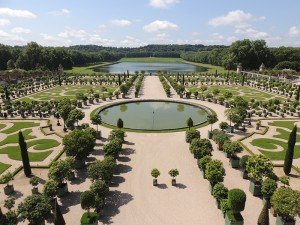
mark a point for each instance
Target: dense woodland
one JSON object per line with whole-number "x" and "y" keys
{"x": 250, "y": 53}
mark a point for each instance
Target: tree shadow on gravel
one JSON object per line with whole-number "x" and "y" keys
{"x": 116, "y": 181}
{"x": 180, "y": 186}
{"x": 72, "y": 198}
{"x": 113, "y": 202}
{"x": 162, "y": 186}
{"x": 121, "y": 168}
{"x": 124, "y": 159}
{"x": 127, "y": 151}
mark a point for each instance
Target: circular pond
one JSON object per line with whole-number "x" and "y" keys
{"x": 153, "y": 115}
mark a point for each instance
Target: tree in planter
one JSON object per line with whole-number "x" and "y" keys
{"x": 155, "y": 173}
{"x": 50, "y": 190}
{"x": 220, "y": 139}
{"x": 96, "y": 120}
{"x": 24, "y": 154}
{"x": 220, "y": 192}
{"x": 214, "y": 172}
{"x": 117, "y": 133}
{"x": 35, "y": 208}
{"x": 231, "y": 148}
{"x": 123, "y": 89}
{"x": 87, "y": 201}
{"x": 236, "y": 203}
{"x": 120, "y": 123}
{"x": 223, "y": 125}
{"x": 211, "y": 119}
{"x": 189, "y": 123}
{"x": 9, "y": 203}
{"x": 268, "y": 188}
{"x": 34, "y": 181}
{"x": 100, "y": 189}
{"x": 203, "y": 162}
{"x": 288, "y": 160}
{"x": 201, "y": 148}
{"x": 258, "y": 167}
{"x": 263, "y": 218}
{"x": 5, "y": 179}
{"x": 191, "y": 134}
{"x": 173, "y": 173}
{"x": 60, "y": 171}
{"x": 64, "y": 109}
{"x": 113, "y": 148}
{"x": 11, "y": 217}
{"x": 79, "y": 144}
{"x": 103, "y": 170}
{"x": 243, "y": 163}
{"x": 285, "y": 180}
{"x": 74, "y": 116}
{"x": 286, "y": 203}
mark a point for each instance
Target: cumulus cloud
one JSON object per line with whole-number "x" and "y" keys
{"x": 252, "y": 33}
{"x": 121, "y": 23}
{"x": 11, "y": 39}
{"x": 233, "y": 18}
{"x": 96, "y": 39}
{"x": 61, "y": 12}
{"x": 16, "y": 13}
{"x": 4, "y": 22}
{"x": 162, "y": 3}
{"x": 20, "y": 30}
{"x": 73, "y": 34}
{"x": 160, "y": 26}
{"x": 294, "y": 31}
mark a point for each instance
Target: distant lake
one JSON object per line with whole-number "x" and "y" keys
{"x": 150, "y": 67}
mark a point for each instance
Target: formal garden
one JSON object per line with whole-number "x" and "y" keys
{"x": 56, "y": 153}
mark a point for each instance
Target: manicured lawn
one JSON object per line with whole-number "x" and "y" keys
{"x": 14, "y": 138}
{"x": 285, "y": 124}
{"x": 20, "y": 125}
{"x": 246, "y": 92}
{"x": 43, "y": 144}
{"x": 86, "y": 69}
{"x": 270, "y": 144}
{"x": 2, "y": 126}
{"x": 14, "y": 153}
{"x": 69, "y": 91}
{"x": 3, "y": 167}
{"x": 283, "y": 134}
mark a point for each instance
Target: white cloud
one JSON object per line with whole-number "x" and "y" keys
{"x": 4, "y": 22}
{"x": 234, "y": 18}
{"x": 294, "y": 31}
{"x": 160, "y": 26}
{"x": 69, "y": 33}
{"x": 61, "y": 12}
{"x": 96, "y": 39}
{"x": 11, "y": 39}
{"x": 217, "y": 37}
{"x": 121, "y": 23}
{"x": 162, "y": 3}
{"x": 20, "y": 30}
{"x": 16, "y": 13}
{"x": 252, "y": 33}
{"x": 131, "y": 42}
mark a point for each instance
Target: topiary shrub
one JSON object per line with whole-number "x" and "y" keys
{"x": 268, "y": 188}
{"x": 204, "y": 161}
{"x": 191, "y": 134}
{"x": 220, "y": 191}
{"x": 236, "y": 200}
{"x": 243, "y": 161}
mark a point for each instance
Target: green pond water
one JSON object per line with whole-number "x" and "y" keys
{"x": 153, "y": 115}
{"x": 150, "y": 67}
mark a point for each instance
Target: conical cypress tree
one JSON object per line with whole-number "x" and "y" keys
{"x": 298, "y": 93}
{"x": 288, "y": 161}
{"x": 263, "y": 218}
{"x": 24, "y": 154}
{"x": 58, "y": 217}
{"x": 119, "y": 78}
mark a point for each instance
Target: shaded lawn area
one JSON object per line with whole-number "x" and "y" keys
{"x": 14, "y": 138}
{"x": 20, "y": 125}
{"x": 270, "y": 144}
{"x": 2, "y": 125}
{"x": 3, "y": 167}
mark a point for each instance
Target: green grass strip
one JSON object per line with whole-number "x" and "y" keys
{"x": 20, "y": 125}
{"x": 3, "y": 167}
{"x": 14, "y": 153}
{"x": 2, "y": 125}
{"x": 14, "y": 138}
{"x": 43, "y": 144}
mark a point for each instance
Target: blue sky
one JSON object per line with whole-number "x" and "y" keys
{"x": 132, "y": 23}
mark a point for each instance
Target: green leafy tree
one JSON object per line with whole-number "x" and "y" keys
{"x": 173, "y": 173}
{"x": 74, "y": 116}
{"x": 204, "y": 161}
{"x": 60, "y": 171}
{"x": 9, "y": 203}
{"x": 263, "y": 218}
{"x": 259, "y": 166}
{"x": 50, "y": 189}
{"x": 201, "y": 147}
{"x": 191, "y": 134}
{"x": 268, "y": 188}
{"x": 288, "y": 160}
{"x": 34, "y": 208}
{"x": 220, "y": 139}
{"x": 220, "y": 192}
{"x": 211, "y": 119}
{"x": 214, "y": 172}
{"x": 103, "y": 169}
{"x": 287, "y": 203}
{"x": 236, "y": 200}
{"x": 113, "y": 148}
{"x": 155, "y": 173}
{"x": 117, "y": 134}
{"x": 24, "y": 154}
{"x": 285, "y": 180}
{"x": 79, "y": 143}
{"x": 64, "y": 108}
{"x": 87, "y": 201}
{"x": 232, "y": 148}
{"x": 223, "y": 125}
{"x": 96, "y": 120}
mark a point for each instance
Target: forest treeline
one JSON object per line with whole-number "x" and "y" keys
{"x": 250, "y": 53}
